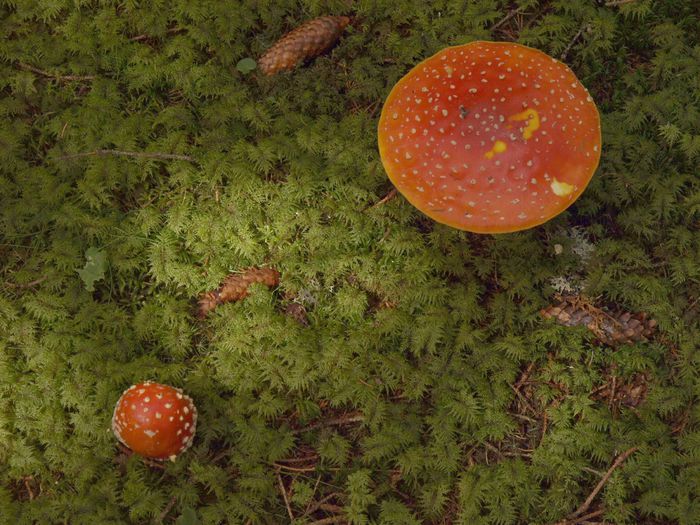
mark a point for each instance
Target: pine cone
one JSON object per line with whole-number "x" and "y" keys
{"x": 611, "y": 328}
{"x": 235, "y": 287}
{"x": 306, "y": 41}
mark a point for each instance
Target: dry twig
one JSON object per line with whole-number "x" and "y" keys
{"x": 28, "y": 487}
{"x": 284, "y": 495}
{"x": 166, "y": 510}
{"x": 523, "y": 399}
{"x": 572, "y": 42}
{"x": 306, "y": 511}
{"x": 330, "y": 521}
{"x": 138, "y": 154}
{"x": 342, "y": 420}
{"x": 30, "y": 284}
{"x": 314, "y": 506}
{"x": 544, "y": 427}
{"x": 524, "y": 376}
{"x": 505, "y": 19}
{"x": 171, "y": 31}
{"x": 384, "y": 199}
{"x": 298, "y": 460}
{"x": 295, "y": 469}
{"x": 586, "y": 504}
{"x": 582, "y": 519}
{"x": 613, "y": 3}
{"x": 55, "y": 76}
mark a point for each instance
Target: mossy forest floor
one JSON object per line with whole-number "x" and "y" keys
{"x": 401, "y": 372}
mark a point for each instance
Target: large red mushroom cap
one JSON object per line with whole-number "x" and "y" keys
{"x": 490, "y": 137}
{"x": 154, "y": 420}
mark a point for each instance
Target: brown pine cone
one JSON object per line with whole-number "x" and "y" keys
{"x": 611, "y": 328}
{"x": 306, "y": 41}
{"x": 235, "y": 287}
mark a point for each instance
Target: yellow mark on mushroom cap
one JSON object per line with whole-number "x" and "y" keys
{"x": 561, "y": 188}
{"x": 533, "y": 123}
{"x": 498, "y": 147}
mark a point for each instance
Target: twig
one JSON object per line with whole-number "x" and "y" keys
{"x": 524, "y": 417}
{"x": 27, "y": 285}
{"x": 505, "y": 19}
{"x": 521, "y": 454}
{"x": 581, "y": 519}
{"x": 56, "y": 76}
{"x": 620, "y": 459}
{"x": 166, "y": 510}
{"x": 611, "y": 401}
{"x": 384, "y": 199}
{"x": 171, "y": 31}
{"x": 298, "y": 460}
{"x": 343, "y": 420}
{"x": 613, "y": 3}
{"x": 680, "y": 426}
{"x": 295, "y": 469}
{"x": 313, "y": 507}
{"x": 523, "y": 399}
{"x": 573, "y": 41}
{"x": 330, "y": 521}
{"x": 330, "y": 508}
{"x": 221, "y": 455}
{"x": 525, "y": 376}
{"x": 284, "y": 495}
{"x": 544, "y": 427}
{"x": 494, "y": 449}
{"x": 138, "y": 154}
{"x": 306, "y": 511}
{"x": 593, "y": 471}
{"x": 29, "y": 487}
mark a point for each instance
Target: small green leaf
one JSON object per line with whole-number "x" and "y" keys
{"x": 188, "y": 517}
{"x": 94, "y": 268}
{"x": 246, "y": 65}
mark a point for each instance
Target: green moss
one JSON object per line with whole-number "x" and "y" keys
{"x": 422, "y": 330}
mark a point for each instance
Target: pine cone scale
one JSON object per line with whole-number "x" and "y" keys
{"x": 612, "y": 329}
{"x": 235, "y": 287}
{"x": 306, "y": 41}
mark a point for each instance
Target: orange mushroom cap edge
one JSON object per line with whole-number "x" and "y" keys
{"x": 490, "y": 137}
{"x": 155, "y": 420}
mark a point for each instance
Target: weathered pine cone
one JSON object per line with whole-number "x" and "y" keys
{"x": 235, "y": 287}
{"x": 306, "y": 41}
{"x": 611, "y": 328}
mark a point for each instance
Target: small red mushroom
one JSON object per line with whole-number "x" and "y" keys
{"x": 490, "y": 137}
{"x": 154, "y": 420}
